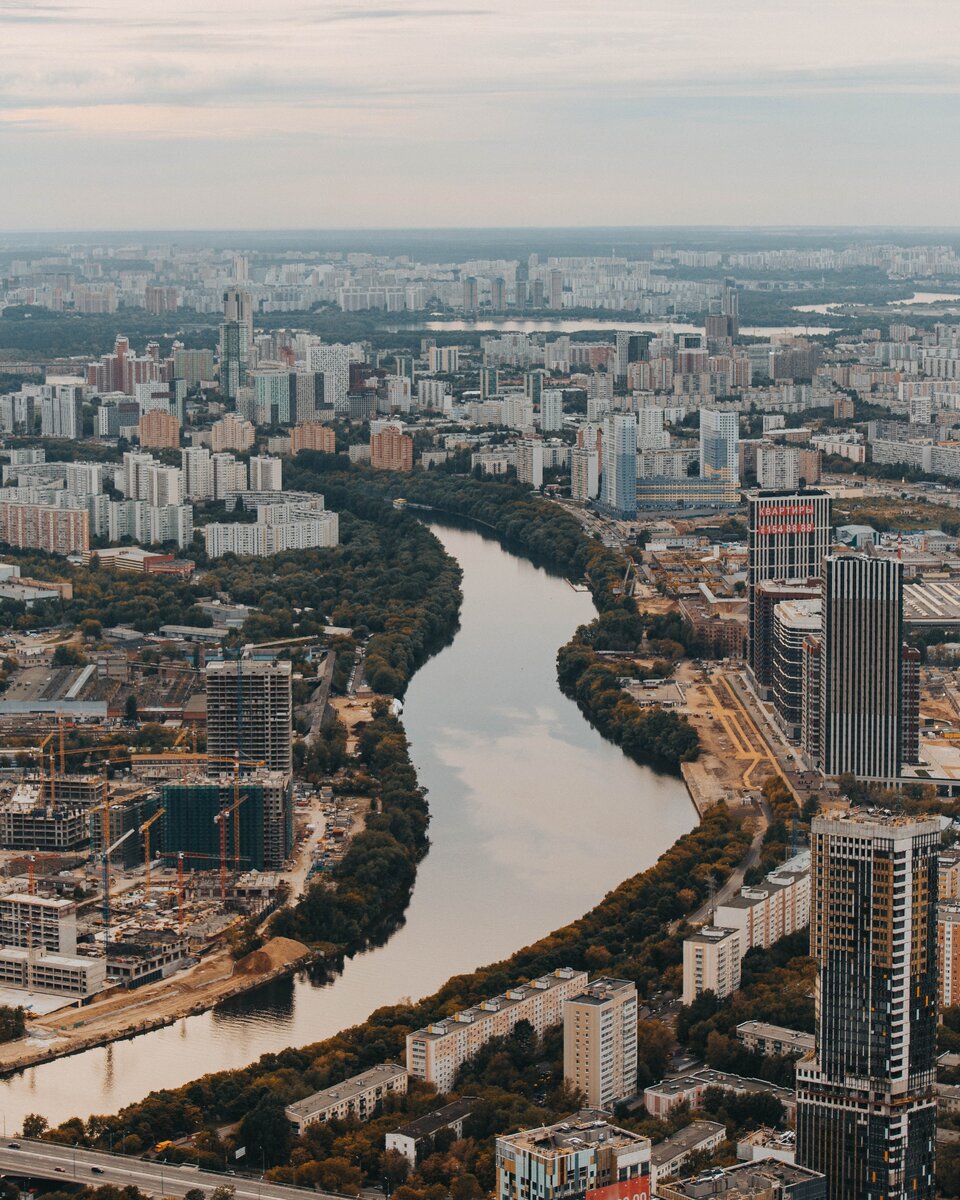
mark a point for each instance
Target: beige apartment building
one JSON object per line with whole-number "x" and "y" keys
{"x": 436, "y": 1052}
{"x": 769, "y": 911}
{"x": 361, "y": 1096}
{"x": 600, "y": 1042}
{"x": 711, "y": 962}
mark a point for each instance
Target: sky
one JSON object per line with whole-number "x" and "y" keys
{"x": 315, "y": 114}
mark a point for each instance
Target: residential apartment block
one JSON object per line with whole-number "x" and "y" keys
{"x": 436, "y": 1052}
{"x": 361, "y": 1096}
{"x": 600, "y": 1042}
{"x": 711, "y": 962}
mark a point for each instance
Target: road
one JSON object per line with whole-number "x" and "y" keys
{"x": 735, "y": 881}
{"x": 46, "y": 1160}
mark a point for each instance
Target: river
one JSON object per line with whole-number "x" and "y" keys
{"x": 558, "y": 325}
{"x": 534, "y": 819}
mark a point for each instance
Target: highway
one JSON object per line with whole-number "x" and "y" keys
{"x": 47, "y": 1160}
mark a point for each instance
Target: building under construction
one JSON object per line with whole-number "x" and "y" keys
{"x": 197, "y": 809}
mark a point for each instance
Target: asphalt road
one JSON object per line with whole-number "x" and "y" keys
{"x": 45, "y": 1160}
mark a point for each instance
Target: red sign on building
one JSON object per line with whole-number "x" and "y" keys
{"x": 628, "y": 1189}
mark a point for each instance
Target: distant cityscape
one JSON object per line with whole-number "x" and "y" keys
{"x": 215, "y": 589}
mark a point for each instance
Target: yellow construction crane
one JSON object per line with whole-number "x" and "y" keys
{"x": 145, "y": 830}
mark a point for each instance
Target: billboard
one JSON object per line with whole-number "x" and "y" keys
{"x": 627, "y": 1189}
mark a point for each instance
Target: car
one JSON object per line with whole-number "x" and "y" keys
{"x": 96, "y": 1170}
{"x": 13, "y": 1146}
{"x": 59, "y": 1170}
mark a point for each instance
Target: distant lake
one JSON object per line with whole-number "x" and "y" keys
{"x": 589, "y": 325}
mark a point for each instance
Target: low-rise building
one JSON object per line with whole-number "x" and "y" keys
{"x": 64, "y": 975}
{"x": 662, "y": 1098}
{"x": 361, "y": 1096}
{"x": 768, "y": 1180}
{"x": 581, "y": 1158}
{"x": 780, "y": 1144}
{"x": 669, "y": 1157}
{"x": 774, "y": 1039}
{"x": 415, "y": 1139}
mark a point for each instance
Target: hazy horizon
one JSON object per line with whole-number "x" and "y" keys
{"x": 476, "y": 113}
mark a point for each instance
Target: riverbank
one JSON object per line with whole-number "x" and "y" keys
{"x": 509, "y": 764}
{"x": 218, "y": 977}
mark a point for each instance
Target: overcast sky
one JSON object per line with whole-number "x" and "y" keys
{"x": 167, "y": 114}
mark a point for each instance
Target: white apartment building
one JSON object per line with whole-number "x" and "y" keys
{"x": 266, "y": 474}
{"x": 551, "y": 410}
{"x": 197, "y": 468}
{"x": 768, "y": 911}
{"x": 778, "y": 467}
{"x": 600, "y": 1042}
{"x": 228, "y": 475}
{"x": 711, "y": 962}
{"x": 279, "y": 527}
{"x": 530, "y": 462}
{"x": 436, "y": 1052}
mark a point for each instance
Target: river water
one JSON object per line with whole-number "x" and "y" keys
{"x": 534, "y": 819}
{"x": 558, "y": 325}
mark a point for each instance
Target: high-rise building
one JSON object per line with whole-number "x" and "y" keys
{"x": 232, "y": 432}
{"x": 584, "y": 474}
{"x": 719, "y": 445}
{"x": 471, "y": 293}
{"x": 948, "y": 953}
{"x": 266, "y": 473}
{"x": 313, "y": 435}
{"x": 863, "y": 725}
{"x": 600, "y": 1042}
{"x": 233, "y": 359}
{"x": 159, "y": 430}
{"x": 530, "y": 462}
{"x": 333, "y": 363}
{"x": 271, "y": 388}
{"x": 194, "y": 807}
{"x": 866, "y": 1114}
{"x": 250, "y": 712}
{"x": 238, "y": 307}
{"x": 196, "y": 467}
{"x": 489, "y": 382}
{"x": 788, "y": 538}
{"x": 619, "y": 484}
{"x": 61, "y": 413}
{"x": 391, "y": 450}
{"x": 551, "y": 410}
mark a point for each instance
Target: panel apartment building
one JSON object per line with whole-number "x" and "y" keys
{"x": 600, "y": 1042}
{"x": 436, "y": 1052}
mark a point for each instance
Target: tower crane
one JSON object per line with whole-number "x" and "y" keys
{"x": 145, "y": 830}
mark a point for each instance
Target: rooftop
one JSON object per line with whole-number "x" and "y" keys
{"x": 432, "y": 1122}
{"x": 685, "y": 1140}
{"x": 586, "y": 1128}
{"x": 347, "y": 1090}
{"x": 744, "y": 1179}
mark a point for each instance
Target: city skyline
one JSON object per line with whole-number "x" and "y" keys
{"x": 296, "y": 117}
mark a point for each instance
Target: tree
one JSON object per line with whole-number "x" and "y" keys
{"x": 34, "y": 1125}
{"x": 265, "y": 1132}
{"x": 130, "y": 710}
